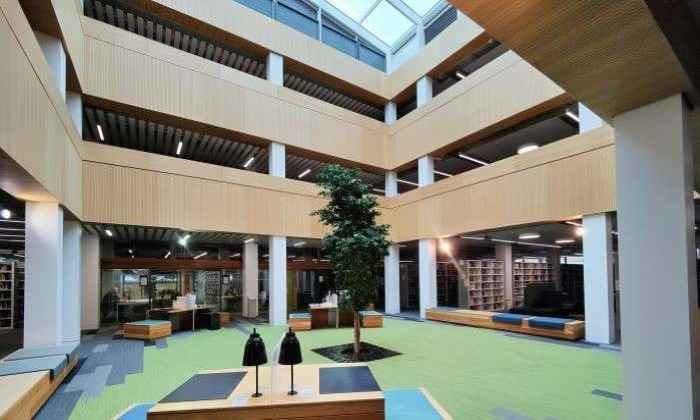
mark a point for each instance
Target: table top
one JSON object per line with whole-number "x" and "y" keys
{"x": 313, "y": 306}
{"x": 338, "y": 382}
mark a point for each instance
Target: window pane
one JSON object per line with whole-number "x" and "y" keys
{"x": 387, "y": 23}
{"x": 421, "y": 6}
{"x": 355, "y": 9}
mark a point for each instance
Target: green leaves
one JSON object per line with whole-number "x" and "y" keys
{"x": 356, "y": 243}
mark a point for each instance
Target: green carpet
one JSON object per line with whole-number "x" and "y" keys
{"x": 474, "y": 373}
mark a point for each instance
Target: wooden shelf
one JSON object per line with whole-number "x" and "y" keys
{"x": 525, "y": 273}
{"x": 484, "y": 284}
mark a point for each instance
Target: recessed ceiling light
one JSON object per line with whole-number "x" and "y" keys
{"x": 249, "y": 161}
{"x": 183, "y": 240}
{"x": 530, "y": 235}
{"x": 198, "y": 256}
{"x": 472, "y": 159}
{"x": 249, "y": 240}
{"x": 442, "y": 173}
{"x": 461, "y": 75}
{"x": 403, "y": 181}
{"x": 5, "y": 214}
{"x": 100, "y": 133}
{"x": 300, "y": 243}
{"x": 236, "y": 255}
{"x": 580, "y": 231}
{"x": 572, "y": 116}
{"x": 565, "y": 241}
{"x": 529, "y": 147}
{"x": 179, "y": 148}
{"x": 131, "y": 251}
{"x": 445, "y": 246}
{"x": 475, "y": 238}
{"x": 572, "y": 223}
{"x": 303, "y": 174}
{"x": 109, "y": 233}
{"x": 167, "y": 255}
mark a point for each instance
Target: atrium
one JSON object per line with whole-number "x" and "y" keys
{"x": 349, "y": 209}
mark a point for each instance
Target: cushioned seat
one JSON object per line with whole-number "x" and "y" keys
{"x": 515, "y": 319}
{"x": 68, "y": 350}
{"x": 300, "y": 316}
{"x": 370, "y": 313}
{"x": 148, "y": 322}
{"x": 549, "y": 323}
{"x": 54, "y": 364}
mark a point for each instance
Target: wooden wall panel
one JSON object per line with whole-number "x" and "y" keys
{"x": 38, "y": 136}
{"x": 68, "y": 13}
{"x": 502, "y": 90}
{"x": 126, "y": 68}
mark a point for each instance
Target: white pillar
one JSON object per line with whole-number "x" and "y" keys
{"x": 56, "y": 57}
{"x": 278, "y": 280}
{"x": 277, "y": 160}
{"x": 90, "y": 258}
{"x": 43, "y": 284}
{"x": 392, "y": 287}
{"x": 391, "y": 186}
{"x": 427, "y": 275}
{"x": 75, "y": 108}
{"x": 426, "y": 174}
{"x": 504, "y": 252}
{"x": 424, "y": 90}
{"x": 250, "y": 279}
{"x": 275, "y": 69}
{"x": 659, "y": 294}
{"x": 72, "y": 280}
{"x": 587, "y": 119}
{"x": 390, "y": 111}
{"x": 598, "y": 292}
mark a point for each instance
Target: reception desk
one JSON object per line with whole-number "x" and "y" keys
{"x": 325, "y": 391}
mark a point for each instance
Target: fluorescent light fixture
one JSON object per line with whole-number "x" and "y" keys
{"x": 504, "y": 241}
{"x": 303, "y": 174}
{"x": 442, "y": 173}
{"x": 249, "y": 161}
{"x": 472, "y": 159}
{"x": 406, "y": 261}
{"x": 528, "y": 147}
{"x": 266, "y": 255}
{"x": 572, "y": 116}
{"x": 5, "y": 214}
{"x": 475, "y": 238}
{"x": 461, "y": 75}
{"x": 249, "y": 240}
{"x": 529, "y": 235}
{"x": 100, "y": 133}
{"x": 300, "y": 243}
{"x": 167, "y": 255}
{"x": 179, "y": 148}
{"x": 198, "y": 256}
{"x": 579, "y": 231}
{"x": 183, "y": 241}
{"x": 236, "y": 255}
{"x": 378, "y": 190}
{"x": 109, "y": 233}
{"x": 403, "y": 181}
{"x": 565, "y": 241}
{"x": 445, "y": 246}
{"x": 131, "y": 251}
{"x": 187, "y": 237}
{"x": 577, "y": 224}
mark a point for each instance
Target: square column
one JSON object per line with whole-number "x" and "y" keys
{"x": 392, "y": 287}
{"x": 72, "y": 280}
{"x": 278, "y": 280}
{"x": 74, "y": 101}
{"x": 427, "y": 275}
{"x": 274, "y": 69}
{"x": 250, "y": 280}
{"x": 277, "y": 160}
{"x": 90, "y": 260}
{"x": 426, "y": 166}
{"x": 598, "y": 288}
{"x": 424, "y": 90}
{"x": 43, "y": 284}
{"x": 659, "y": 290}
{"x": 504, "y": 252}
{"x": 554, "y": 259}
{"x": 56, "y": 57}
{"x": 390, "y": 113}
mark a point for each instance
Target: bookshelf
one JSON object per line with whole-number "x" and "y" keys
{"x": 525, "y": 273}
{"x": 7, "y": 295}
{"x": 484, "y": 284}
{"x": 19, "y": 294}
{"x": 409, "y": 285}
{"x": 447, "y": 284}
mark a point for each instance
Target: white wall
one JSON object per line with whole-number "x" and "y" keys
{"x": 90, "y": 248}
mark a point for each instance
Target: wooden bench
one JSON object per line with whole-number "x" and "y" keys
{"x": 371, "y": 319}
{"x": 299, "y": 322}
{"x": 149, "y": 329}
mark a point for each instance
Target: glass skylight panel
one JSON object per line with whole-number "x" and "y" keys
{"x": 387, "y": 23}
{"x": 356, "y": 9}
{"x": 421, "y": 7}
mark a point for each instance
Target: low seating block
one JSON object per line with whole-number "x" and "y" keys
{"x": 514, "y": 319}
{"x": 371, "y": 319}
{"x": 147, "y": 330}
{"x": 68, "y": 350}
{"x": 55, "y": 365}
{"x": 224, "y": 318}
{"x": 300, "y": 321}
{"x": 549, "y": 323}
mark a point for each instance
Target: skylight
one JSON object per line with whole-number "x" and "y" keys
{"x": 421, "y": 7}
{"x": 387, "y": 23}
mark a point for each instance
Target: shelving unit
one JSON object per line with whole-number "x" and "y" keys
{"x": 7, "y": 295}
{"x": 525, "y": 273}
{"x": 484, "y": 284}
{"x": 19, "y": 294}
{"x": 447, "y": 284}
{"x": 409, "y": 285}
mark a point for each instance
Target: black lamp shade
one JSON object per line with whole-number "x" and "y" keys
{"x": 290, "y": 350}
{"x": 254, "y": 353}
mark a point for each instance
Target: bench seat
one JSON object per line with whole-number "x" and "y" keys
{"x": 549, "y": 323}
{"x": 68, "y": 350}
{"x": 54, "y": 364}
{"x": 514, "y": 319}
{"x": 300, "y": 321}
{"x": 371, "y": 319}
{"x": 149, "y": 329}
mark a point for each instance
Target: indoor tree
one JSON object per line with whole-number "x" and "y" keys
{"x": 356, "y": 243}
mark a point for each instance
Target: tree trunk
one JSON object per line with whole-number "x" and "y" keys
{"x": 356, "y": 342}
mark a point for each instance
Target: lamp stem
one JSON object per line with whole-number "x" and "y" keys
{"x": 257, "y": 393}
{"x": 292, "y": 391}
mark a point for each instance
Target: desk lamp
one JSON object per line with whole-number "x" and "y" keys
{"x": 255, "y": 355}
{"x": 290, "y": 354}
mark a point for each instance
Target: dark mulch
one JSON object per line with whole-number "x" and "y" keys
{"x": 343, "y": 353}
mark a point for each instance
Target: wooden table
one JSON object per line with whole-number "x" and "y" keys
{"x": 309, "y": 403}
{"x": 320, "y": 314}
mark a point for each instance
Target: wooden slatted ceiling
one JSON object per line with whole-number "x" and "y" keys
{"x": 140, "y": 233}
{"x": 147, "y": 136}
{"x": 120, "y": 14}
{"x": 611, "y": 55}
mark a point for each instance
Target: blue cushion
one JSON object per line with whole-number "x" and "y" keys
{"x": 370, "y": 313}
{"x": 148, "y": 322}
{"x": 68, "y": 350}
{"x": 515, "y": 319}
{"x": 300, "y": 316}
{"x": 54, "y": 364}
{"x": 550, "y": 323}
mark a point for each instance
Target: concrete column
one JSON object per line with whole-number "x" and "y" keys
{"x": 554, "y": 259}
{"x": 424, "y": 90}
{"x": 275, "y": 69}
{"x": 56, "y": 57}
{"x": 392, "y": 287}
{"x": 278, "y": 280}
{"x": 72, "y": 280}
{"x": 588, "y": 120}
{"x": 90, "y": 259}
{"x": 504, "y": 252}
{"x": 659, "y": 290}
{"x": 75, "y": 107}
{"x": 426, "y": 166}
{"x": 598, "y": 278}
{"x": 277, "y": 160}
{"x": 250, "y": 279}
{"x": 427, "y": 275}
{"x": 43, "y": 284}
{"x": 390, "y": 113}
